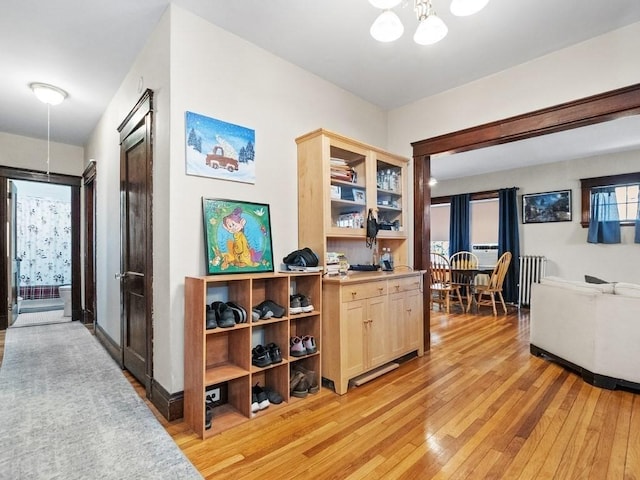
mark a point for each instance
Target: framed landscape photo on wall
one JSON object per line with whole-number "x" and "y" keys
{"x": 546, "y": 207}
{"x": 237, "y": 236}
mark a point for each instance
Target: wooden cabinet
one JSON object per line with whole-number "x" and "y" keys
{"x": 339, "y": 180}
{"x": 370, "y": 319}
{"x": 221, "y": 357}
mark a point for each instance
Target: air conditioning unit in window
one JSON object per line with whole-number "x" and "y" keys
{"x": 487, "y": 253}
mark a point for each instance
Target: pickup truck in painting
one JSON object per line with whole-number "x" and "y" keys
{"x": 216, "y": 159}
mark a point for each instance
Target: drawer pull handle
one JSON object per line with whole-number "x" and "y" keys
{"x": 353, "y": 294}
{"x": 380, "y": 289}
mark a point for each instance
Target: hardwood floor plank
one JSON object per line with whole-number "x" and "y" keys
{"x": 632, "y": 461}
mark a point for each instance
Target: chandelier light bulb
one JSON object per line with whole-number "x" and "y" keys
{"x": 430, "y": 30}
{"x": 384, "y": 4}
{"x": 387, "y": 27}
{"x": 48, "y": 93}
{"x": 463, "y": 8}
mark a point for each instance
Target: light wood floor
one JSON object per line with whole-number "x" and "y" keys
{"x": 477, "y": 406}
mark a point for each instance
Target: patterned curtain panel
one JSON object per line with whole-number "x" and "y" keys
{"x": 43, "y": 241}
{"x": 637, "y": 237}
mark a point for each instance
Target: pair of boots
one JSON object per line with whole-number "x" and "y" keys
{"x": 303, "y": 382}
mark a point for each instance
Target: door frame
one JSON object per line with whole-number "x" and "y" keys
{"x": 11, "y": 173}
{"x": 89, "y": 186}
{"x": 141, "y": 114}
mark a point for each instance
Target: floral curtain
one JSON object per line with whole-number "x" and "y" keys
{"x": 43, "y": 241}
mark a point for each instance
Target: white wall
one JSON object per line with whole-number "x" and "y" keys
{"x": 31, "y": 153}
{"x": 150, "y": 70}
{"x": 220, "y": 75}
{"x": 601, "y": 64}
{"x": 214, "y": 73}
{"x": 564, "y": 243}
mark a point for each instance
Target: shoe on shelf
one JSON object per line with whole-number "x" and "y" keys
{"x": 296, "y": 347}
{"x": 211, "y": 319}
{"x": 255, "y": 406}
{"x": 260, "y": 357}
{"x": 309, "y": 344}
{"x": 239, "y": 313}
{"x": 310, "y": 376}
{"x": 294, "y": 304}
{"x": 224, "y": 315}
{"x": 305, "y": 303}
{"x": 274, "y": 352}
{"x": 273, "y": 396}
{"x": 261, "y": 397}
{"x": 268, "y": 309}
{"x": 208, "y": 414}
{"x": 296, "y": 377}
{"x": 301, "y": 389}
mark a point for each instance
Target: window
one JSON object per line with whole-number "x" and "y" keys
{"x": 484, "y": 222}
{"x": 626, "y": 188}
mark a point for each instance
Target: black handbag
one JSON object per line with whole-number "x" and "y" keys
{"x": 372, "y": 229}
{"x": 305, "y": 257}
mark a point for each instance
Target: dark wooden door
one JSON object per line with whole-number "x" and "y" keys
{"x": 136, "y": 241}
{"x": 89, "y": 180}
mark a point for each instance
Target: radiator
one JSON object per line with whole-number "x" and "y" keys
{"x": 531, "y": 271}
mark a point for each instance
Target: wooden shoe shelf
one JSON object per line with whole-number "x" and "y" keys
{"x": 221, "y": 357}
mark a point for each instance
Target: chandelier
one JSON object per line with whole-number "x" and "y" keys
{"x": 431, "y": 29}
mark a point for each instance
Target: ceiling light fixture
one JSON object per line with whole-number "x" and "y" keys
{"x": 48, "y": 93}
{"x": 432, "y": 181}
{"x": 431, "y": 29}
{"x": 51, "y": 96}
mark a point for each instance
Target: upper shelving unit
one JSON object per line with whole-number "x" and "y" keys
{"x": 341, "y": 179}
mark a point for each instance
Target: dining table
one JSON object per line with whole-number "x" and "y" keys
{"x": 466, "y": 278}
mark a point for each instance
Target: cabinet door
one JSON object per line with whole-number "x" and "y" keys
{"x": 398, "y": 325}
{"x": 352, "y": 344}
{"x": 377, "y": 331}
{"x": 414, "y": 320}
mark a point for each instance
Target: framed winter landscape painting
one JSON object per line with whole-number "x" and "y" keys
{"x": 237, "y": 236}
{"x": 219, "y": 149}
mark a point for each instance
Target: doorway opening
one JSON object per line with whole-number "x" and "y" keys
{"x": 41, "y": 246}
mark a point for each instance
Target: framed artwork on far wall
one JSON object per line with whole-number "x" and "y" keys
{"x": 546, "y": 207}
{"x": 237, "y": 236}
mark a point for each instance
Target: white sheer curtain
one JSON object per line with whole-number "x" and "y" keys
{"x": 43, "y": 242}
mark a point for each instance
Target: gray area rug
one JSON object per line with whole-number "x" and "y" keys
{"x": 68, "y": 412}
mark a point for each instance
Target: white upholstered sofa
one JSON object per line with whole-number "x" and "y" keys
{"x": 592, "y": 329}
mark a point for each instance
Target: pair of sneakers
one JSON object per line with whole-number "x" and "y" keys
{"x": 225, "y": 315}
{"x": 263, "y": 356}
{"x": 261, "y": 398}
{"x": 301, "y": 346}
{"x": 299, "y": 303}
{"x": 266, "y": 310}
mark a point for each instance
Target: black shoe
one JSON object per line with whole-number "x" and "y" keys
{"x": 239, "y": 313}
{"x": 261, "y": 397}
{"x": 208, "y": 415}
{"x": 269, "y": 306}
{"x": 224, "y": 315}
{"x": 273, "y": 396}
{"x": 211, "y": 319}
{"x": 260, "y": 357}
{"x": 274, "y": 353}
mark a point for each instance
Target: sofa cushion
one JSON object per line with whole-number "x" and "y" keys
{"x": 627, "y": 289}
{"x": 577, "y": 285}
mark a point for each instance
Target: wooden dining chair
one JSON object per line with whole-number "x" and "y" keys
{"x": 495, "y": 285}
{"x": 463, "y": 270}
{"x": 440, "y": 283}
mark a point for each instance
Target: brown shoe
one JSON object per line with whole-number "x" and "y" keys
{"x": 296, "y": 377}
{"x": 311, "y": 378}
{"x": 302, "y": 388}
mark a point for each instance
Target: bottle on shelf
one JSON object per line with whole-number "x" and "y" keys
{"x": 386, "y": 260}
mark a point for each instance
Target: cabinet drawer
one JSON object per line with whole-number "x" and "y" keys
{"x": 360, "y": 291}
{"x": 397, "y": 285}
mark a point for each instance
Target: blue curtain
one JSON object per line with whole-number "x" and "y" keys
{"x": 637, "y": 240}
{"x": 604, "y": 225}
{"x": 509, "y": 239}
{"x": 459, "y": 224}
